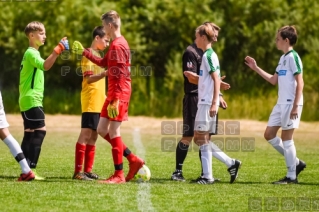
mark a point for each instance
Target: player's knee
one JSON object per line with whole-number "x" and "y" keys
{"x": 268, "y": 136}
{"x": 102, "y": 131}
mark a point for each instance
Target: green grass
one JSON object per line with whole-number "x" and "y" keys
{"x": 60, "y": 193}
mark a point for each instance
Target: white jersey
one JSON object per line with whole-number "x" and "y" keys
{"x": 3, "y": 120}
{"x": 209, "y": 64}
{"x": 289, "y": 65}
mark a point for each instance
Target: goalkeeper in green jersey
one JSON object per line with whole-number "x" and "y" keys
{"x": 31, "y": 89}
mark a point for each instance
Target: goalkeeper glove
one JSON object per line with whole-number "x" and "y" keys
{"x": 77, "y": 48}
{"x": 63, "y": 45}
{"x": 113, "y": 109}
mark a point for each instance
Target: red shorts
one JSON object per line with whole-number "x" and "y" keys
{"x": 123, "y": 111}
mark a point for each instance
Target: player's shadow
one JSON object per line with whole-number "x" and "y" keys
{"x": 8, "y": 177}
{"x": 155, "y": 180}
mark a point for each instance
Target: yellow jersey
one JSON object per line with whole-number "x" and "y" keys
{"x": 93, "y": 94}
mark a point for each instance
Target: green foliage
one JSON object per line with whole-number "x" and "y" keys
{"x": 158, "y": 31}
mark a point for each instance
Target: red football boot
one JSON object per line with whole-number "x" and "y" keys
{"x": 135, "y": 165}
{"x": 114, "y": 179}
{"x": 27, "y": 177}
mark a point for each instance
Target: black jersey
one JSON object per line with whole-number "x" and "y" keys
{"x": 192, "y": 59}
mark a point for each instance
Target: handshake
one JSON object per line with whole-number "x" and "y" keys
{"x": 77, "y": 47}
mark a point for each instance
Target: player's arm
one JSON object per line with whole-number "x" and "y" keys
{"x": 215, "y": 103}
{"x": 190, "y": 66}
{"x": 77, "y": 48}
{"x": 118, "y": 70}
{"x": 251, "y": 63}
{"x": 96, "y": 77}
{"x": 192, "y": 77}
{"x": 296, "y": 68}
{"x": 45, "y": 65}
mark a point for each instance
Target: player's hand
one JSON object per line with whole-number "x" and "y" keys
{"x": 222, "y": 103}
{"x": 113, "y": 108}
{"x": 213, "y": 110}
{"x": 224, "y": 85}
{"x": 294, "y": 112}
{"x": 63, "y": 45}
{"x": 189, "y": 74}
{"x": 77, "y": 48}
{"x": 251, "y": 62}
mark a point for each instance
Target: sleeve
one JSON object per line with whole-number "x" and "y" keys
{"x": 189, "y": 62}
{"x": 210, "y": 64}
{"x": 118, "y": 55}
{"x": 96, "y": 60}
{"x": 86, "y": 66}
{"x": 35, "y": 59}
{"x": 118, "y": 60}
{"x": 295, "y": 64}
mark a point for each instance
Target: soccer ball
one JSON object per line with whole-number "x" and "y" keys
{"x": 143, "y": 174}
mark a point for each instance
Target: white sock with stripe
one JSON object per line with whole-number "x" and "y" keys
{"x": 15, "y": 149}
{"x": 221, "y": 156}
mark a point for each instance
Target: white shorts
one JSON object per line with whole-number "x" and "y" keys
{"x": 280, "y": 116}
{"x": 203, "y": 121}
{"x": 3, "y": 120}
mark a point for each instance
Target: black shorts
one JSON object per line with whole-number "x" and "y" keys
{"x": 189, "y": 114}
{"x": 33, "y": 118}
{"x": 90, "y": 120}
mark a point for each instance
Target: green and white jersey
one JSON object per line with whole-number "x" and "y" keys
{"x": 289, "y": 65}
{"x": 31, "y": 85}
{"x": 210, "y": 63}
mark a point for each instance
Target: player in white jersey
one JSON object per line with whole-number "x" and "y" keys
{"x": 13, "y": 145}
{"x": 208, "y": 103}
{"x": 287, "y": 112}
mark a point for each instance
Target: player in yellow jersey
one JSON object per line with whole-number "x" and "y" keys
{"x": 92, "y": 100}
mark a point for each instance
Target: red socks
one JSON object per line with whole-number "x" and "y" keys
{"x": 117, "y": 152}
{"x": 89, "y": 158}
{"x": 107, "y": 137}
{"x": 79, "y": 157}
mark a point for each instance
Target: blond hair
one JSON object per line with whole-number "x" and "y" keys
{"x": 217, "y": 28}
{"x": 207, "y": 30}
{"x": 33, "y": 26}
{"x": 112, "y": 17}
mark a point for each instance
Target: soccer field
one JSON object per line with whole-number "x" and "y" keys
{"x": 252, "y": 191}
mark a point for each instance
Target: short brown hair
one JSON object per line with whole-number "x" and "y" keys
{"x": 289, "y": 32}
{"x": 98, "y": 31}
{"x": 112, "y": 17}
{"x": 33, "y": 26}
{"x": 207, "y": 30}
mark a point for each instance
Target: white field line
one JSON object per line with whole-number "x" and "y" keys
{"x": 143, "y": 197}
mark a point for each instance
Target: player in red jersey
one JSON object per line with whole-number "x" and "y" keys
{"x": 115, "y": 108}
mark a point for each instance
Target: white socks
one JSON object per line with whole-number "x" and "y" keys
{"x": 15, "y": 149}
{"x": 278, "y": 145}
{"x": 221, "y": 156}
{"x": 206, "y": 152}
{"x": 290, "y": 157}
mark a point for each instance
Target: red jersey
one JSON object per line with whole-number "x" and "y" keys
{"x": 118, "y": 62}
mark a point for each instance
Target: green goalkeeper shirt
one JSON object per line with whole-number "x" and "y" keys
{"x": 31, "y": 85}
